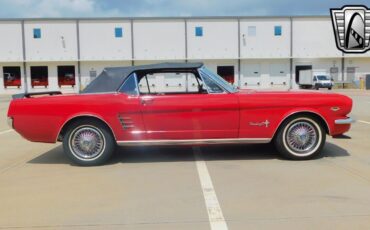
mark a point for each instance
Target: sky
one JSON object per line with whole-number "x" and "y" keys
{"x": 167, "y": 8}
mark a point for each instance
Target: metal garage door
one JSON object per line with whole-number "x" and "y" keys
{"x": 367, "y": 79}
{"x": 278, "y": 75}
{"x": 251, "y": 76}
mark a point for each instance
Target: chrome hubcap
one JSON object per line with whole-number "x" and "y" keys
{"x": 302, "y": 137}
{"x": 87, "y": 142}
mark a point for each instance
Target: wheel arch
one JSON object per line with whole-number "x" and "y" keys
{"x": 81, "y": 117}
{"x": 306, "y": 113}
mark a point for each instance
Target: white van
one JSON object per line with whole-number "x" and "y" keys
{"x": 322, "y": 81}
{"x": 308, "y": 80}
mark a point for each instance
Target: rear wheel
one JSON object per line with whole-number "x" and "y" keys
{"x": 88, "y": 143}
{"x": 300, "y": 138}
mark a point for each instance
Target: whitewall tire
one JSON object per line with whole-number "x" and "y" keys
{"x": 88, "y": 143}
{"x": 300, "y": 138}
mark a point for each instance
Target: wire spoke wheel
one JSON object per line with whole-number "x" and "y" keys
{"x": 302, "y": 137}
{"x": 87, "y": 142}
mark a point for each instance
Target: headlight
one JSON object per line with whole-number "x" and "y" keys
{"x": 10, "y": 122}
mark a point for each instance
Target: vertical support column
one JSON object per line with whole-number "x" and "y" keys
{"x": 186, "y": 52}
{"x": 78, "y": 55}
{"x": 239, "y": 54}
{"x": 291, "y": 53}
{"x": 343, "y": 68}
{"x": 186, "y": 39}
{"x": 24, "y": 59}
{"x": 132, "y": 43}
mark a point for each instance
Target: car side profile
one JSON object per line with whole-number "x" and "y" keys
{"x": 122, "y": 106}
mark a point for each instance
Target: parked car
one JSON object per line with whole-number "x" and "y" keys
{"x": 10, "y": 79}
{"x": 120, "y": 107}
{"x": 314, "y": 81}
{"x": 67, "y": 79}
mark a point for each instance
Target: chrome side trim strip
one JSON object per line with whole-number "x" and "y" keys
{"x": 346, "y": 121}
{"x": 196, "y": 141}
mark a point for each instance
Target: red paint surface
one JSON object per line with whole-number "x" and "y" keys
{"x": 180, "y": 116}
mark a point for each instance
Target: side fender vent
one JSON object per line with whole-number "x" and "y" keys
{"x": 126, "y": 122}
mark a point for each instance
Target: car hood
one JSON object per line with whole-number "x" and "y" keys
{"x": 290, "y": 91}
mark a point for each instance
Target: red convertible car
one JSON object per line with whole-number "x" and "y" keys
{"x": 124, "y": 106}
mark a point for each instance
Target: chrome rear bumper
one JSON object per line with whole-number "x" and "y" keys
{"x": 346, "y": 121}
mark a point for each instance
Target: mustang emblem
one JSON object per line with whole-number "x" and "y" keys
{"x": 264, "y": 123}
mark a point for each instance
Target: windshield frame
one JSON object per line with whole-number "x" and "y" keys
{"x": 217, "y": 79}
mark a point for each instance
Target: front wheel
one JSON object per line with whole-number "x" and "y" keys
{"x": 300, "y": 138}
{"x": 88, "y": 143}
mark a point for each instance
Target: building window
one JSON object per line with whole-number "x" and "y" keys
{"x": 12, "y": 76}
{"x": 118, "y": 32}
{"x": 66, "y": 75}
{"x": 277, "y": 30}
{"x": 199, "y": 31}
{"x": 226, "y": 72}
{"x": 39, "y": 76}
{"x": 36, "y": 33}
{"x": 252, "y": 31}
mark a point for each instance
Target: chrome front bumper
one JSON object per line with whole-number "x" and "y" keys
{"x": 346, "y": 121}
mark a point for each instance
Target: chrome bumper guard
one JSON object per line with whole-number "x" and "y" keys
{"x": 346, "y": 121}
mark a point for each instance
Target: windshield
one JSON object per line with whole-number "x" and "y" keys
{"x": 322, "y": 77}
{"x": 219, "y": 80}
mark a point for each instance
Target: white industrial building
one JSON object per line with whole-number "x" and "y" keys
{"x": 251, "y": 52}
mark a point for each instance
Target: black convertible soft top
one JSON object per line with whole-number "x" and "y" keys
{"x": 112, "y": 77}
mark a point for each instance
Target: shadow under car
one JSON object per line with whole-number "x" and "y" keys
{"x": 145, "y": 154}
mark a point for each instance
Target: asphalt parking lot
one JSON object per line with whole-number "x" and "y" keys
{"x": 234, "y": 187}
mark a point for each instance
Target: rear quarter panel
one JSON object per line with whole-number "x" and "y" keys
{"x": 41, "y": 119}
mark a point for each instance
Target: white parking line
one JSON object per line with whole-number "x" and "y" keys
{"x": 6, "y": 131}
{"x": 215, "y": 216}
{"x": 366, "y": 122}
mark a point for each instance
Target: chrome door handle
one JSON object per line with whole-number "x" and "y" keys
{"x": 146, "y": 101}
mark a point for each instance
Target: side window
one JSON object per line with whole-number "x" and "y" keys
{"x": 193, "y": 83}
{"x": 143, "y": 85}
{"x": 169, "y": 83}
{"x": 129, "y": 86}
{"x": 211, "y": 85}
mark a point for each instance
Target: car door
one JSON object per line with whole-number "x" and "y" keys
{"x": 187, "y": 113}
{"x": 129, "y": 115}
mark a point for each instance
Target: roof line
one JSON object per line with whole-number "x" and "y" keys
{"x": 163, "y": 18}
